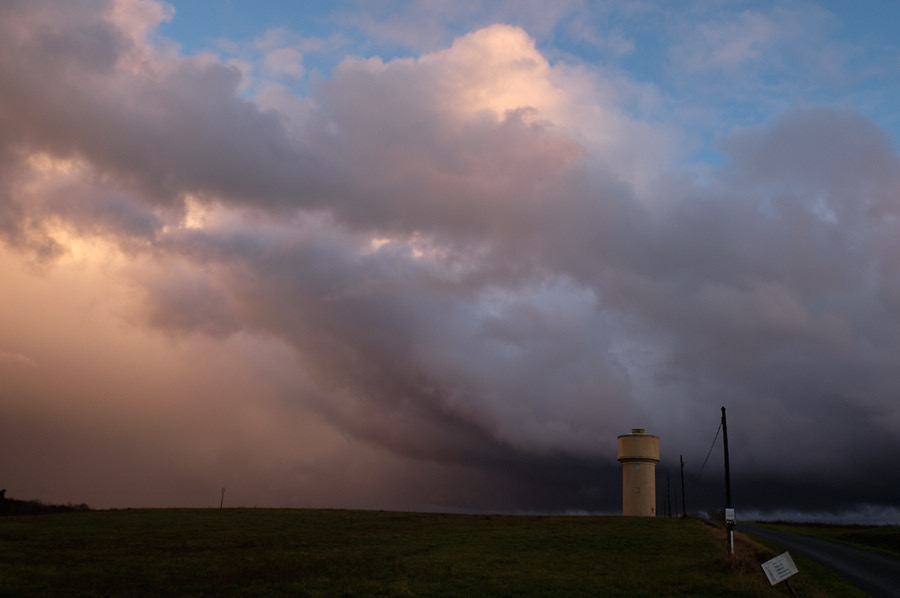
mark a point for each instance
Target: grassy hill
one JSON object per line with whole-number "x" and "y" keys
{"x": 270, "y": 552}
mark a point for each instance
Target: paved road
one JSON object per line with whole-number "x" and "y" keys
{"x": 874, "y": 573}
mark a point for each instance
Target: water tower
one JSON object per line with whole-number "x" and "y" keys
{"x": 639, "y": 454}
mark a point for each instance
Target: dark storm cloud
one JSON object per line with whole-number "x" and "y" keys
{"x": 464, "y": 284}
{"x": 769, "y": 314}
{"x": 411, "y": 358}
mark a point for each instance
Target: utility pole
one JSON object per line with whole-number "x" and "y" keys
{"x": 683, "y": 504}
{"x": 729, "y": 521}
{"x": 222, "y": 500}
{"x": 668, "y": 497}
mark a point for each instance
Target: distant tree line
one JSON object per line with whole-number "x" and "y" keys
{"x": 13, "y": 506}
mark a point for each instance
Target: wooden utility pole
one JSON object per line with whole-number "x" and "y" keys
{"x": 668, "y": 497}
{"x": 683, "y": 504}
{"x": 222, "y": 500}
{"x": 728, "y": 505}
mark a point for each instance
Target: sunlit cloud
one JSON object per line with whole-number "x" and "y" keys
{"x": 49, "y": 165}
{"x": 15, "y": 361}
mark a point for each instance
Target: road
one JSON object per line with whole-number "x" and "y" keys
{"x": 873, "y": 573}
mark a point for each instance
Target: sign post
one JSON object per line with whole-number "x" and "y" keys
{"x": 781, "y": 567}
{"x": 729, "y": 523}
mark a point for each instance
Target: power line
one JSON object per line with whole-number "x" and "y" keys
{"x": 710, "y": 449}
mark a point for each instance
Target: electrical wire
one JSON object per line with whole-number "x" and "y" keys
{"x": 710, "y": 449}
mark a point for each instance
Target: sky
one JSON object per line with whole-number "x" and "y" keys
{"x": 437, "y": 256}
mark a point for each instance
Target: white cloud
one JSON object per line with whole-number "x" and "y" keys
{"x": 284, "y": 62}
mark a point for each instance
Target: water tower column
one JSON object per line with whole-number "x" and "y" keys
{"x": 639, "y": 454}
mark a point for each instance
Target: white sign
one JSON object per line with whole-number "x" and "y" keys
{"x": 729, "y": 515}
{"x": 780, "y": 568}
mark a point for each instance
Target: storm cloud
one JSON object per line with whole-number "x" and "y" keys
{"x": 445, "y": 281}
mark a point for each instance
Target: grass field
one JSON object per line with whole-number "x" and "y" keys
{"x": 268, "y": 552}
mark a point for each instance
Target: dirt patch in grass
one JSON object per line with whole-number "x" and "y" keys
{"x": 748, "y": 557}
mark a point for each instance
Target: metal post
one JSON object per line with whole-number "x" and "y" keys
{"x": 788, "y": 584}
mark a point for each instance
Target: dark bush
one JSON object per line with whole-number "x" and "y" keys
{"x": 13, "y": 506}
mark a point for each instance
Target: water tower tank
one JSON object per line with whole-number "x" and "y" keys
{"x": 639, "y": 454}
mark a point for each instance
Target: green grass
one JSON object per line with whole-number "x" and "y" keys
{"x": 884, "y": 539}
{"x": 267, "y": 552}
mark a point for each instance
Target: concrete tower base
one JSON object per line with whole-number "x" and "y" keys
{"x": 638, "y": 454}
